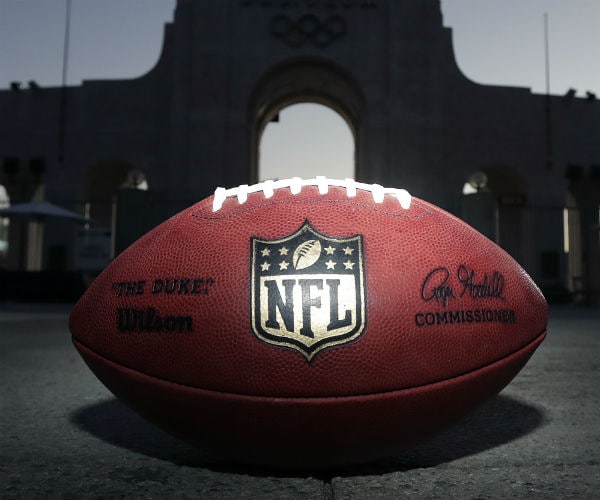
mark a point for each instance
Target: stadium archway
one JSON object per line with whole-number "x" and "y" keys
{"x": 306, "y": 140}
{"x": 306, "y": 81}
{"x": 4, "y": 221}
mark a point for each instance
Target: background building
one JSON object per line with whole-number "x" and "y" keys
{"x": 523, "y": 168}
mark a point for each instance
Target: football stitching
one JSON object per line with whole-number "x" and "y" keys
{"x": 267, "y": 203}
{"x": 295, "y": 185}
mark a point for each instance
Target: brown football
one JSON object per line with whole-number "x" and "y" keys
{"x": 309, "y": 322}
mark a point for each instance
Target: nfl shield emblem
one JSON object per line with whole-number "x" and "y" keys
{"x": 308, "y": 290}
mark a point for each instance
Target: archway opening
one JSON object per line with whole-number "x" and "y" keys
{"x": 581, "y": 223}
{"x": 4, "y": 221}
{"x": 494, "y": 202}
{"x": 101, "y": 184}
{"x": 306, "y": 140}
{"x": 322, "y": 105}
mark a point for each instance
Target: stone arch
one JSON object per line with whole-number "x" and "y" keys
{"x": 501, "y": 180}
{"x": 307, "y": 140}
{"x": 4, "y": 221}
{"x": 305, "y": 80}
{"x": 582, "y": 232}
{"x": 572, "y": 243}
{"x": 100, "y": 186}
{"x": 494, "y": 201}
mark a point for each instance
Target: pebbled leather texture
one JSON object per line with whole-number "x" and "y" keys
{"x": 442, "y": 303}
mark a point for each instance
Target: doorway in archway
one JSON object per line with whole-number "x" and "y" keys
{"x": 323, "y": 101}
{"x": 495, "y": 203}
{"x": 4, "y": 222}
{"x": 306, "y": 140}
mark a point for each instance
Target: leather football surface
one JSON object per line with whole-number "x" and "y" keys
{"x": 309, "y": 323}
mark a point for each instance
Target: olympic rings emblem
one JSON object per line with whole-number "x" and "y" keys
{"x": 307, "y": 28}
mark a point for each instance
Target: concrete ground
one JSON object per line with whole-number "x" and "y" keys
{"x": 63, "y": 435}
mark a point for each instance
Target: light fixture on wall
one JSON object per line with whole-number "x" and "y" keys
{"x": 478, "y": 181}
{"x": 136, "y": 179}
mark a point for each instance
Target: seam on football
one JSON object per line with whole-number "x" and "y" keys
{"x": 341, "y": 396}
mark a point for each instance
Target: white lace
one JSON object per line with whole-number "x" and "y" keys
{"x": 295, "y": 185}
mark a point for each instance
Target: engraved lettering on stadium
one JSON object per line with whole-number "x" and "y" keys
{"x": 309, "y": 4}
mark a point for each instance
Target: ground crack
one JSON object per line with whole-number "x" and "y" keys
{"x": 328, "y": 493}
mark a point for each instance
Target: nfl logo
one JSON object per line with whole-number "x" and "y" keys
{"x": 308, "y": 290}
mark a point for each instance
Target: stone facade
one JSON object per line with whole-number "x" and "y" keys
{"x": 227, "y": 68}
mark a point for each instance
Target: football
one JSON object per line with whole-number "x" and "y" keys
{"x": 309, "y": 323}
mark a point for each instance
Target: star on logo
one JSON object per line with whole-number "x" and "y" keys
{"x": 348, "y": 251}
{"x": 330, "y": 264}
{"x": 329, "y": 250}
{"x": 265, "y": 266}
{"x": 265, "y": 252}
{"x": 283, "y": 265}
{"x": 349, "y": 265}
{"x": 283, "y": 251}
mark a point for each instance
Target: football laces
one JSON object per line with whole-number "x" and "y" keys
{"x": 295, "y": 185}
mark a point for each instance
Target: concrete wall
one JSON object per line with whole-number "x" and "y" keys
{"x": 194, "y": 120}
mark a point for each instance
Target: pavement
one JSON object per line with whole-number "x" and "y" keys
{"x": 63, "y": 435}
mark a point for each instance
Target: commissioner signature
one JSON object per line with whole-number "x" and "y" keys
{"x": 442, "y": 286}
